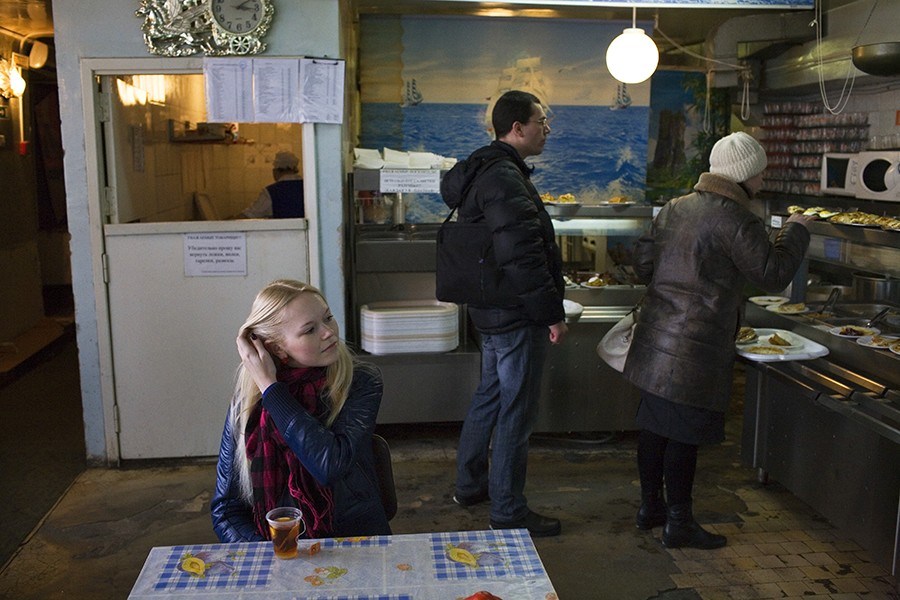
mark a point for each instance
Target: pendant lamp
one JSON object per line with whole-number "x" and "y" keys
{"x": 632, "y": 57}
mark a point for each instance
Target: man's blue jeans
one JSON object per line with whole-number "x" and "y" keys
{"x": 505, "y": 405}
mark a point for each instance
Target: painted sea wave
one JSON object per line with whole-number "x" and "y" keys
{"x": 592, "y": 152}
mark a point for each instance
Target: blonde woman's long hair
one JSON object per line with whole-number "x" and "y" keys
{"x": 265, "y": 320}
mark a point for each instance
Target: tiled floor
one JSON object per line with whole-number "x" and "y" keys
{"x": 93, "y": 541}
{"x": 779, "y": 549}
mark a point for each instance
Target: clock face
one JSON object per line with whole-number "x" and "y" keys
{"x": 237, "y": 16}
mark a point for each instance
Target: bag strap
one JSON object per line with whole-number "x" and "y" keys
{"x": 481, "y": 171}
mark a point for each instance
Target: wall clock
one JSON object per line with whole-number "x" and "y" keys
{"x": 211, "y": 27}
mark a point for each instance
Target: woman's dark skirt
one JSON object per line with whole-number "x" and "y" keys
{"x": 680, "y": 422}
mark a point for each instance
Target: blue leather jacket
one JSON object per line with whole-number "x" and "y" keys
{"x": 339, "y": 456}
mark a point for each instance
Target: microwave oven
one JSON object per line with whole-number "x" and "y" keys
{"x": 878, "y": 175}
{"x": 839, "y": 174}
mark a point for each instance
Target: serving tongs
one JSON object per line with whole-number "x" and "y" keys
{"x": 879, "y": 317}
{"x": 833, "y": 297}
{"x": 827, "y": 310}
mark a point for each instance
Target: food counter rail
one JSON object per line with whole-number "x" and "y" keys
{"x": 828, "y": 429}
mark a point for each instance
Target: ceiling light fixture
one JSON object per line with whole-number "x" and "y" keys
{"x": 11, "y": 81}
{"x": 632, "y": 57}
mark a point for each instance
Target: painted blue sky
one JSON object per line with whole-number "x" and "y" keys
{"x": 459, "y": 60}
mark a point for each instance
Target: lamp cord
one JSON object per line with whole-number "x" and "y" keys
{"x": 850, "y": 78}
{"x": 743, "y": 70}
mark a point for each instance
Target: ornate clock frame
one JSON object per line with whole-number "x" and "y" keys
{"x": 185, "y": 27}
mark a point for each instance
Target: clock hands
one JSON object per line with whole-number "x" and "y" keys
{"x": 243, "y": 5}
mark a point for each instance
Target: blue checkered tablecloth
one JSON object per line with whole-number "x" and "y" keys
{"x": 234, "y": 566}
{"x": 425, "y": 566}
{"x": 499, "y": 554}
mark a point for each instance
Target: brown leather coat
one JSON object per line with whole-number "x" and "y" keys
{"x": 696, "y": 258}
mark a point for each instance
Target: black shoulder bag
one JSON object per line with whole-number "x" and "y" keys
{"x": 467, "y": 270}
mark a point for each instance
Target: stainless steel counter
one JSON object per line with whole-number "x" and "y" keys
{"x": 828, "y": 429}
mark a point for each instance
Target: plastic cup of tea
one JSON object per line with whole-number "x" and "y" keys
{"x": 285, "y": 527}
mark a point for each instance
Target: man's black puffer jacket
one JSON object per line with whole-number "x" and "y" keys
{"x": 498, "y": 190}
{"x": 700, "y": 251}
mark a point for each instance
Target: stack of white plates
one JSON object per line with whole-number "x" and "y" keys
{"x": 409, "y": 326}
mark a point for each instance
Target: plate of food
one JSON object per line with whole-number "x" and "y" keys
{"x": 789, "y": 309}
{"x": 853, "y": 331}
{"x": 768, "y": 300}
{"x": 780, "y": 339}
{"x": 881, "y": 342}
{"x": 746, "y": 335}
{"x": 895, "y": 347}
{"x": 763, "y": 350}
{"x": 597, "y": 282}
{"x": 621, "y": 200}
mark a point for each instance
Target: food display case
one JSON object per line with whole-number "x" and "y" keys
{"x": 394, "y": 262}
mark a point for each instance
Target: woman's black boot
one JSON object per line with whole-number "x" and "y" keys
{"x": 652, "y": 512}
{"x": 682, "y": 531}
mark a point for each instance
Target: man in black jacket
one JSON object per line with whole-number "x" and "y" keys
{"x": 493, "y": 185}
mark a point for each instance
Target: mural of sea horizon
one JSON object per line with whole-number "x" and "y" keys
{"x": 592, "y": 151}
{"x": 428, "y": 84}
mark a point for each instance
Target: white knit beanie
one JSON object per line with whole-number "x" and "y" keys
{"x": 738, "y": 157}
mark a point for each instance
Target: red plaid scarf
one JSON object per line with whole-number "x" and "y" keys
{"x": 274, "y": 467}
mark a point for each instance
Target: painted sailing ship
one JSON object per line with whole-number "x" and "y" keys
{"x": 622, "y": 99}
{"x": 524, "y": 75}
{"x": 412, "y": 96}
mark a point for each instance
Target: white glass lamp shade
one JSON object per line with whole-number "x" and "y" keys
{"x": 632, "y": 57}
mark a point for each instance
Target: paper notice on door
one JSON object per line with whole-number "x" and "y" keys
{"x": 215, "y": 254}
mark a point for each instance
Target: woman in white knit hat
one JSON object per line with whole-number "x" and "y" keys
{"x": 696, "y": 258}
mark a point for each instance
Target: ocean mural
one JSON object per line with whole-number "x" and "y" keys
{"x": 599, "y": 131}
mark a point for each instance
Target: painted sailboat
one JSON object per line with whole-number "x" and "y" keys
{"x": 412, "y": 96}
{"x": 525, "y": 75}
{"x": 622, "y": 98}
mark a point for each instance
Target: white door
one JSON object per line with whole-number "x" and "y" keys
{"x": 174, "y": 354}
{"x": 171, "y": 330}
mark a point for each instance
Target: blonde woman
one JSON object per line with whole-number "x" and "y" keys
{"x": 299, "y": 428}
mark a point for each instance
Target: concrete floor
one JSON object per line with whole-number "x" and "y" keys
{"x": 92, "y": 542}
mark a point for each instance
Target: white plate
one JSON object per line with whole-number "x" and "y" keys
{"x": 793, "y": 339}
{"x": 864, "y": 331}
{"x": 748, "y": 351}
{"x": 562, "y": 203}
{"x": 782, "y": 309}
{"x": 866, "y": 341}
{"x": 594, "y": 287}
{"x": 768, "y": 300}
{"x": 764, "y": 335}
{"x": 895, "y": 348}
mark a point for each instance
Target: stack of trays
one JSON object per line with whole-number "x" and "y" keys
{"x": 409, "y": 326}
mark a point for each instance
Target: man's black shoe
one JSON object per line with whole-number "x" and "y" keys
{"x": 537, "y": 525}
{"x": 467, "y": 501}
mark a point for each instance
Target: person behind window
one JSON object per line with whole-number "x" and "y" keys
{"x": 284, "y": 198}
{"x": 299, "y": 428}
{"x": 699, "y": 253}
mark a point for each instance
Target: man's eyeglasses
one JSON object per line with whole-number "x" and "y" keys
{"x": 543, "y": 121}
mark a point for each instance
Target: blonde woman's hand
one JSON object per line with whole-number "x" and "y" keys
{"x": 257, "y": 360}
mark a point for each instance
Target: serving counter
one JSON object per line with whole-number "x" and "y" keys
{"x": 828, "y": 429}
{"x": 396, "y": 262}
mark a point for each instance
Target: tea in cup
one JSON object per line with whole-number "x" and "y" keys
{"x": 285, "y": 526}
